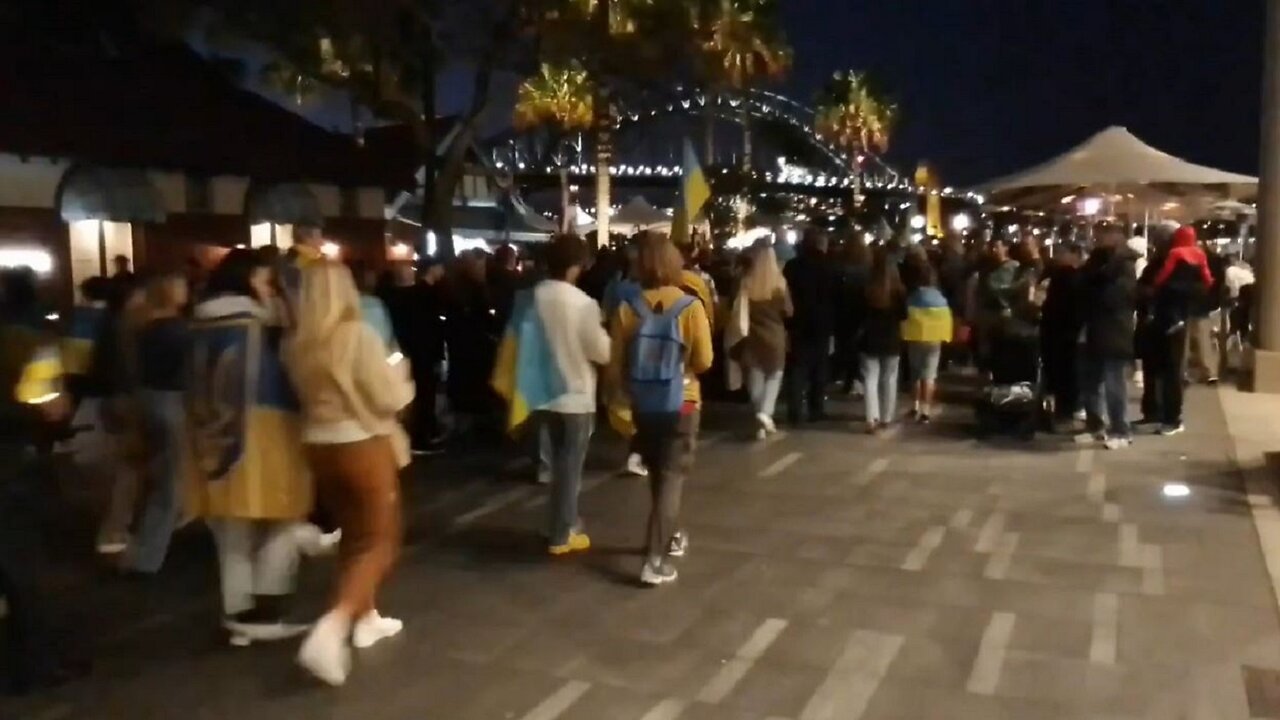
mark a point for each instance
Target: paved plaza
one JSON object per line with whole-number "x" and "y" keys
{"x": 831, "y": 576}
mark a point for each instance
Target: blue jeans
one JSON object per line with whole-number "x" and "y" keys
{"x": 1105, "y": 388}
{"x": 880, "y": 382}
{"x": 763, "y": 388}
{"x": 563, "y": 439}
{"x": 164, "y": 419}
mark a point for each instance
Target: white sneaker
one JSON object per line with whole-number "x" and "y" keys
{"x": 314, "y": 542}
{"x": 245, "y": 634}
{"x": 372, "y": 628}
{"x": 761, "y": 434}
{"x": 766, "y": 423}
{"x": 1117, "y": 443}
{"x": 1080, "y": 415}
{"x": 1089, "y": 438}
{"x": 325, "y": 653}
{"x": 635, "y": 466}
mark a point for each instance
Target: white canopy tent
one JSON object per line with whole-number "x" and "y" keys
{"x": 638, "y": 215}
{"x": 1123, "y": 170}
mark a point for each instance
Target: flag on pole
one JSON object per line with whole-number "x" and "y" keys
{"x": 694, "y": 194}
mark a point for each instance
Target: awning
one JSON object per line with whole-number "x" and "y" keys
{"x": 282, "y": 204}
{"x": 92, "y": 192}
{"x": 509, "y": 222}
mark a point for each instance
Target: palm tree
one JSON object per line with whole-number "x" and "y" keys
{"x": 743, "y": 47}
{"x": 559, "y": 100}
{"x": 854, "y": 117}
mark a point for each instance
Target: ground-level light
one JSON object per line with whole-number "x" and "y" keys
{"x": 1175, "y": 490}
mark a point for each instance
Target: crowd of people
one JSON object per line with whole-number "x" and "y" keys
{"x": 277, "y": 397}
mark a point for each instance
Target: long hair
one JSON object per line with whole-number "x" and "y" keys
{"x": 885, "y": 285}
{"x": 764, "y": 280}
{"x": 328, "y": 301}
{"x": 658, "y": 262}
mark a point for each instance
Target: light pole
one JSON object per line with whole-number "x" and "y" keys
{"x": 1266, "y": 354}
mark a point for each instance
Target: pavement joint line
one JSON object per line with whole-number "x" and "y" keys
{"x": 559, "y": 701}
{"x": 1152, "y": 570}
{"x": 1084, "y": 460}
{"x": 960, "y": 519}
{"x": 1104, "y": 636}
{"x": 989, "y": 662}
{"x": 668, "y": 709}
{"x": 853, "y": 680}
{"x": 990, "y": 533}
{"x": 781, "y": 464}
{"x": 492, "y": 505}
{"x": 871, "y": 471}
{"x": 587, "y": 486}
{"x": 1096, "y": 487}
{"x": 1110, "y": 512}
{"x": 929, "y": 540}
{"x": 732, "y": 672}
{"x": 998, "y": 564}
{"x": 1130, "y": 547}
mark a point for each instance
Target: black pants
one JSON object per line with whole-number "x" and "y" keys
{"x": 1162, "y": 376}
{"x": 807, "y": 381}
{"x": 424, "y": 424}
{"x": 1062, "y": 373}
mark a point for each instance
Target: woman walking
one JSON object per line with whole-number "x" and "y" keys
{"x": 763, "y": 352}
{"x": 162, "y": 376}
{"x": 251, "y": 483}
{"x": 926, "y": 329}
{"x": 351, "y": 389}
{"x": 661, "y": 343}
{"x": 880, "y": 340}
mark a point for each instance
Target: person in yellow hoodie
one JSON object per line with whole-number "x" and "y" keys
{"x": 661, "y": 343}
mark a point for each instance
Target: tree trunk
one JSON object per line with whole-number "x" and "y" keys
{"x": 746, "y": 136}
{"x": 565, "y": 222}
{"x": 709, "y": 129}
{"x": 602, "y": 110}
{"x": 427, "y": 142}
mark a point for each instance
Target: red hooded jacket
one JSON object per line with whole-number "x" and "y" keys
{"x": 1185, "y": 248}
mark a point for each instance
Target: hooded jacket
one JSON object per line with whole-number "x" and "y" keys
{"x": 1108, "y": 294}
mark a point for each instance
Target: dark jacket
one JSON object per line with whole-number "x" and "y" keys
{"x": 1108, "y": 295}
{"x": 813, "y": 286}
{"x": 1060, "y": 316}
{"x": 881, "y": 331}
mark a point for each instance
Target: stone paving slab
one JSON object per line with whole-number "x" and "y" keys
{"x": 832, "y": 576}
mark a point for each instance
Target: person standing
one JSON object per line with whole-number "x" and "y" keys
{"x": 813, "y": 295}
{"x": 1202, "y": 353}
{"x": 1181, "y": 282}
{"x": 1060, "y": 326}
{"x": 850, "y": 301}
{"x": 162, "y": 377}
{"x": 1109, "y": 301}
{"x": 661, "y": 342}
{"x": 351, "y": 388}
{"x": 927, "y": 328}
{"x": 416, "y": 307}
{"x": 880, "y": 340}
{"x": 569, "y": 321}
{"x": 763, "y": 351}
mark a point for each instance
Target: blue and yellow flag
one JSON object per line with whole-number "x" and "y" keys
{"x": 928, "y": 317}
{"x": 695, "y": 191}
{"x": 246, "y": 443}
{"x": 526, "y": 373}
{"x": 82, "y": 334}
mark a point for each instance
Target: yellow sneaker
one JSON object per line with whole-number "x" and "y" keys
{"x": 577, "y": 543}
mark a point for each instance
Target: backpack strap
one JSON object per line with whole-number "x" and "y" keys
{"x": 680, "y": 306}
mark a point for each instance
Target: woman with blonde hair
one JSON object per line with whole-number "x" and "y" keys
{"x": 351, "y": 390}
{"x": 763, "y": 350}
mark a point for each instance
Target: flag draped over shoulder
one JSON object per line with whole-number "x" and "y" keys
{"x": 695, "y": 191}
{"x": 526, "y": 374}
{"x": 928, "y": 317}
{"x": 246, "y": 441}
{"x": 83, "y": 330}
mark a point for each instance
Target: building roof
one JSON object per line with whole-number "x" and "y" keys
{"x": 162, "y": 106}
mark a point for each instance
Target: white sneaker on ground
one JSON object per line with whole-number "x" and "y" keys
{"x": 1117, "y": 443}
{"x": 372, "y": 628}
{"x": 325, "y": 653}
{"x": 314, "y": 542}
{"x": 1080, "y": 415}
{"x": 112, "y": 547}
{"x": 658, "y": 572}
{"x": 244, "y": 634}
{"x": 761, "y": 434}
{"x": 1168, "y": 430}
{"x": 766, "y": 423}
{"x": 1089, "y": 438}
{"x": 635, "y": 466}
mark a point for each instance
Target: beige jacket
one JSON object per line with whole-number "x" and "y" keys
{"x": 363, "y": 387}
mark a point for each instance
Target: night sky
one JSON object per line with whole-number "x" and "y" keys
{"x": 989, "y": 86}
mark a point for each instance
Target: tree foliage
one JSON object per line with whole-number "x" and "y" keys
{"x": 852, "y": 115}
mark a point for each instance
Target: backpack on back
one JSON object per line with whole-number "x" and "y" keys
{"x": 656, "y": 356}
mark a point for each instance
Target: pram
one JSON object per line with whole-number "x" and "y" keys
{"x": 1012, "y": 403}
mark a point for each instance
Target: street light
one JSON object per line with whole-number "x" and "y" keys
{"x": 917, "y": 222}
{"x": 961, "y": 222}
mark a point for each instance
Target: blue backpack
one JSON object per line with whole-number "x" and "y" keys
{"x": 657, "y": 358}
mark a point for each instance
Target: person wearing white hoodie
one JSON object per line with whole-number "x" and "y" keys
{"x": 578, "y": 344}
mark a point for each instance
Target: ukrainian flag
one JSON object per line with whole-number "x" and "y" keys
{"x": 928, "y": 317}
{"x": 526, "y": 373}
{"x": 695, "y": 191}
{"x": 83, "y": 330}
